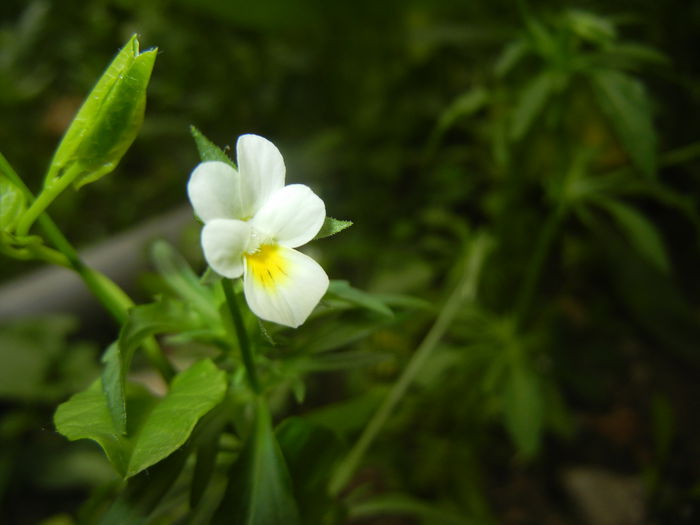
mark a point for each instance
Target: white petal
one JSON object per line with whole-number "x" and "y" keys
{"x": 224, "y": 241}
{"x": 262, "y": 170}
{"x": 292, "y": 216}
{"x": 215, "y": 193}
{"x": 283, "y": 285}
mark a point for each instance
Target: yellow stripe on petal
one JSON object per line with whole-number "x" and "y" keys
{"x": 268, "y": 267}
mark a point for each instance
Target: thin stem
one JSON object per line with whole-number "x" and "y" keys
{"x": 241, "y": 335}
{"x": 41, "y": 202}
{"x": 465, "y": 290}
{"x": 112, "y": 297}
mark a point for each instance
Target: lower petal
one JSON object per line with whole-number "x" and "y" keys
{"x": 283, "y": 285}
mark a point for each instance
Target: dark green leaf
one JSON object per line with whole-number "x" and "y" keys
{"x": 523, "y": 409}
{"x": 530, "y": 104}
{"x": 343, "y": 290}
{"x": 259, "y": 490}
{"x": 626, "y": 104}
{"x": 640, "y": 232}
{"x": 332, "y": 226}
{"x": 208, "y": 150}
{"x": 156, "y": 428}
{"x": 405, "y": 505}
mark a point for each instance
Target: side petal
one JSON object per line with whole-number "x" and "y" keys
{"x": 224, "y": 242}
{"x": 292, "y": 216}
{"x": 214, "y": 191}
{"x": 262, "y": 170}
{"x": 283, "y": 285}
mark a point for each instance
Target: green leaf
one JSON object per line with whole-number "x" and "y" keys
{"x": 332, "y": 226}
{"x": 523, "y": 409}
{"x": 107, "y": 122}
{"x": 463, "y": 106}
{"x": 259, "y": 490}
{"x": 208, "y": 150}
{"x": 12, "y": 203}
{"x": 310, "y": 452}
{"x": 143, "y": 322}
{"x": 404, "y": 505}
{"x": 530, "y": 104}
{"x": 343, "y": 290}
{"x": 625, "y": 102}
{"x": 156, "y": 428}
{"x": 640, "y": 232}
{"x": 510, "y": 56}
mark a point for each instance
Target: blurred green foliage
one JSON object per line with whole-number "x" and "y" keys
{"x": 565, "y": 131}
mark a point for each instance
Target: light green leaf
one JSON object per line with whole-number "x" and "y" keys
{"x": 626, "y": 104}
{"x": 208, "y": 150}
{"x": 530, "y": 104}
{"x": 332, "y": 226}
{"x": 144, "y": 321}
{"x": 259, "y": 490}
{"x": 156, "y": 428}
{"x": 107, "y": 122}
{"x": 523, "y": 409}
{"x": 12, "y": 203}
{"x": 640, "y": 232}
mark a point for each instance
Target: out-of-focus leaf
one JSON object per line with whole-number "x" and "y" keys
{"x": 640, "y": 231}
{"x": 340, "y": 361}
{"x": 310, "y": 452}
{"x": 530, "y": 104}
{"x": 510, "y": 56}
{"x": 626, "y": 104}
{"x": 156, "y": 428}
{"x": 523, "y": 409}
{"x": 107, "y": 122}
{"x": 259, "y": 490}
{"x": 348, "y": 416}
{"x": 591, "y": 27}
{"x": 12, "y": 203}
{"x": 332, "y": 226}
{"x": 343, "y": 290}
{"x": 144, "y": 321}
{"x": 405, "y": 505}
{"x": 463, "y": 106}
{"x": 208, "y": 150}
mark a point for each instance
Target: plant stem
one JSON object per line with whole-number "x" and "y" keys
{"x": 464, "y": 290}
{"x": 544, "y": 243}
{"x": 112, "y": 297}
{"x": 241, "y": 335}
{"x": 41, "y": 202}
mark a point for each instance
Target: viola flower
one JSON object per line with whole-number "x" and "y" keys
{"x": 253, "y": 222}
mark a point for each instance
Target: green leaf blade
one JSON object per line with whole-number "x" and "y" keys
{"x": 208, "y": 151}
{"x": 332, "y": 226}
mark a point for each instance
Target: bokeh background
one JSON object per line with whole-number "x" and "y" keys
{"x": 565, "y": 131}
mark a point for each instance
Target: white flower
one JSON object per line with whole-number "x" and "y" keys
{"x": 252, "y": 222}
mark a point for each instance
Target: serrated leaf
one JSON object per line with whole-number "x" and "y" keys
{"x": 156, "y": 427}
{"x": 640, "y": 232}
{"x": 624, "y": 101}
{"x": 208, "y": 150}
{"x": 332, "y": 226}
{"x": 107, "y": 122}
{"x": 259, "y": 490}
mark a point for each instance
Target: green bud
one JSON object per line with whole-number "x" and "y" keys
{"x": 107, "y": 122}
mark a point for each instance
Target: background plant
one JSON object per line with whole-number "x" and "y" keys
{"x": 555, "y": 131}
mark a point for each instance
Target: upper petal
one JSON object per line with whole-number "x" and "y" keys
{"x": 214, "y": 191}
{"x": 262, "y": 170}
{"x": 224, "y": 241}
{"x": 283, "y": 285}
{"x": 292, "y": 216}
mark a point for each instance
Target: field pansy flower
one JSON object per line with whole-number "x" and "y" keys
{"x": 253, "y": 222}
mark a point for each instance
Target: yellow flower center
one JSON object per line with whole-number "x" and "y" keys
{"x": 267, "y": 266}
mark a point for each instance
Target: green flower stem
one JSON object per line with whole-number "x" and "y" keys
{"x": 241, "y": 335}
{"x": 532, "y": 275}
{"x": 112, "y": 297}
{"x": 465, "y": 290}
